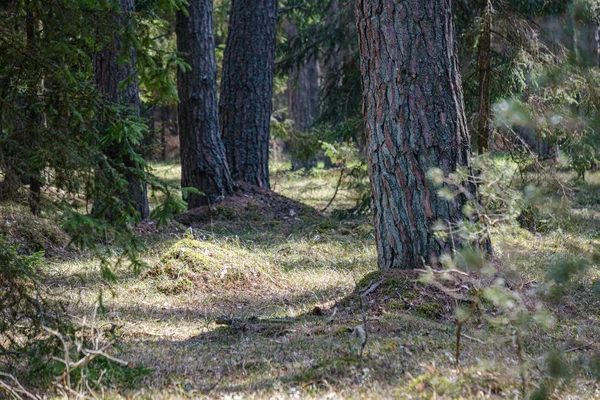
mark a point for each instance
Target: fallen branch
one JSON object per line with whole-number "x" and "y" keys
{"x": 473, "y": 339}
{"x": 16, "y": 389}
{"x": 372, "y": 288}
{"x": 572, "y": 349}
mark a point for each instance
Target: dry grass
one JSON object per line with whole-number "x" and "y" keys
{"x": 285, "y": 324}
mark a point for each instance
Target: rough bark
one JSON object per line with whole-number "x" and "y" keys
{"x": 246, "y": 89}
{"x": 415, "y": 121}
{"x": 108, "y": 74}
{"x": 203, "y": 160}
{"x": 484, "y": 54}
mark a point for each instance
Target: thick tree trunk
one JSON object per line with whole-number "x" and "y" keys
{"x": 109, "y": 72}
{"x": 415, "y": 121}
{"x": 203, "y": 160}
{"x": 303, "y": 101}
{"x": 484, "y": 54}
{"x": 246, "y": 89}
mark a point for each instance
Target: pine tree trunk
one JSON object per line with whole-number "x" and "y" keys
{"x": 484, "y": 54}
{"x": 203, "y": 160}
{"x": 246, "y": 89}
{"x": 303, "y": 100}
{"x": 415, "y": 121}
{"x": 108, "y": 74}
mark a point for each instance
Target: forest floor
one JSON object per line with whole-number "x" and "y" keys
{"x": 255, "y": 304}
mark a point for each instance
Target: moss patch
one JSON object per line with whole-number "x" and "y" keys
{"x": 201, "y": 265}
{"x": 396, "y": 291}
{"x": 33, "y": 233}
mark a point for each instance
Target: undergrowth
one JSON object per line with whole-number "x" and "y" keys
{"x": 247, "y": 308}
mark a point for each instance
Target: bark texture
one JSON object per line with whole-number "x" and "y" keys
{"x": 246, "y": 89}
{"x": 203, "y": 161}
{"x": 485, "y": 78}
{"x": 415, "y": 121}
{"x": 108, "y": 74}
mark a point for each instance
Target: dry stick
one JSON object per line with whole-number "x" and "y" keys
{"x": 337, "y": 188}
{"x": 580, "y": 347}
{"x": 522, "y": 363}
{"x": 15, "y": 389}
{"x": 460, "y": 324}
{"x": 365, "y": 338}
{"x": 372, "y": 288}
{"x": 210, "y": 389}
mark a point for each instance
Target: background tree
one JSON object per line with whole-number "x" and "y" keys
{"x": 483, "y": 60}
{"x": 116, "y": 79}
{"x": 245, "y": 104}
{"x": 303, "y": 105}
{"x": 203, "y": 161}
{"x": 415, "y": 121}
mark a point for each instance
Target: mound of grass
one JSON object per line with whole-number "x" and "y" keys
{"x": 32, "y": 233}
{"x": 394, "y": 291}
{"x": 212, "y": 266}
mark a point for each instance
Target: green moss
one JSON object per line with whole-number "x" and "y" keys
{"x": 189, "y": 263}
{"x": 395, "y": 305}
{"x": 191, "y": 256}
{"x": 429, "y": 310}
{"x": 177, "y": 286}
{"x": 368, "y": 280}
{"x": 226, "y": 212}
{"x": 327, "y": 226}
{"x": 33, "y": 233}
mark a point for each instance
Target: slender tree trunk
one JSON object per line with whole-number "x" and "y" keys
{"x": 203, "y": 160}
{"x": 485, "y": 46}
{"x": 303, "y": 101}
{"x": 332, "y": 64}
{"x": 163, "y": 133}
{"x": 109, "y": 72}
{"x": 597, "y": 42}
{"x": 246, "y": 89}
{"x": 34, "y": 122}
{"x": 11, "y": 182}
{"x": 415, "y": 121}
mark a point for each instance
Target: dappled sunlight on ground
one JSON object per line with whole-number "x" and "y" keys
{"x": 271, "y": 310}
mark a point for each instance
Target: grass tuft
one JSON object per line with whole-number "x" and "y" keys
{"x": 192, "y": 264}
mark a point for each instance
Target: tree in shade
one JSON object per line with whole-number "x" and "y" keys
{"x": 203, "y": 161}
{"x": 246, "y": 89}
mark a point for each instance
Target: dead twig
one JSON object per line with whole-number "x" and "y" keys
{"x": 459, "y": 325}
{"x": 473, "y": 339}
{"x": 15, "y": 389}
{"x": 337, "y": 188}
{"x": 213, "y": 386}
{"x": 372, "y": 288}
